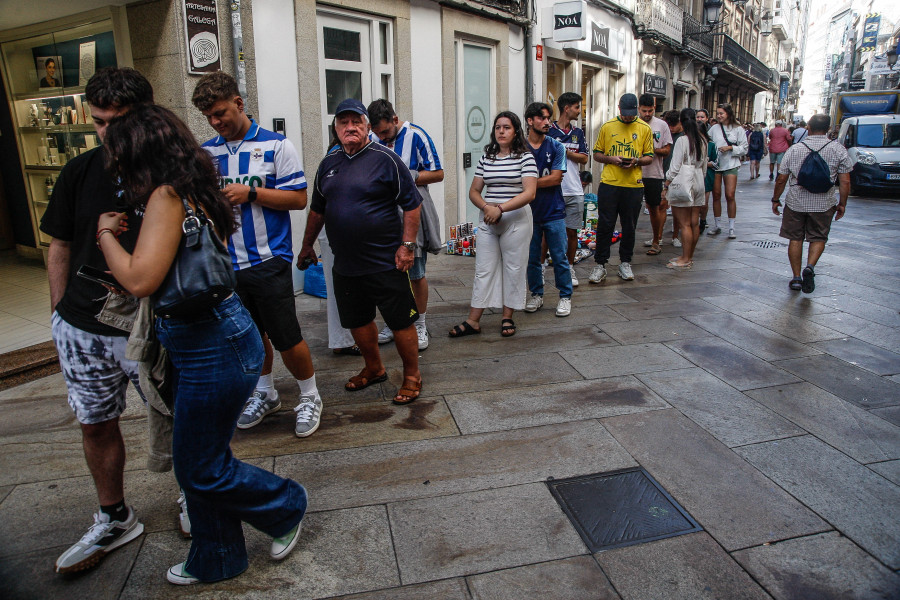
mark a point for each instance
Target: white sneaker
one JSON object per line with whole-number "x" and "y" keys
{"x": 103, "y": 537}
{"x": 386, "y": 335}
{"x": 184, "y": 521}
{"x": 598, "y": 274}
{"x": 309, "y": 414}
{"x": 282, "y": 546}
{"x": 177, "y": 575}
{"x": 534, "y": 303}
{"x": 731, "y": 234}
{"x": 669, "y": 211}
{"x": 676, "y": 242}
{"x": 422, "y": 334}
{"x": 625, "y": 271}
{"x": 649, "y": 243}
{"x": 714, "y": 231}
{"x": 646, "y": 210}
{"x": 574, "y": 277}
{"x": 564, "y": 307}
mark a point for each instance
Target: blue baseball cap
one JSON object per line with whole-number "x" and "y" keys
{"x": 351, "y": 105}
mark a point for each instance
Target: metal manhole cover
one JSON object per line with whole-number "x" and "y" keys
{"x": 767, "y": 244}
{"x": 620, "y": 508}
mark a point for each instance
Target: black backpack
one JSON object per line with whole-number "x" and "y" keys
{"x": 756, "y": 141}
{"x": 814, "y": 174}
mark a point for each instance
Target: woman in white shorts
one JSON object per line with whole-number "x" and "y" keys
{"x": 690, "y": 150}
{"x": 504, "y": 184}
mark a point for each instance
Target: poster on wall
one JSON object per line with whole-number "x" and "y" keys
{"x": 49, "y": 70}
{"x": 87, "y": 61}
{"x": 201, "y": 26}
{"x": 870, "y": 32}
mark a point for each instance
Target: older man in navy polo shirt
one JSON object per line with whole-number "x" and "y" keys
{"x": 358, "y": 187}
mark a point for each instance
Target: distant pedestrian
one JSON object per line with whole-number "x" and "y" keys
{"x": 731, "y": 145}
{"x": 779, "y": 141}
{"x": 808, "y": 215}
{"x": 654, "y": 174}
{"x": 623, "y": 144}
{"x": 756, "y": 147}
{"x": 503, "y": 187}
{"x": 799, "y": 134}
{"x": 673, "y": 120}
{"x": 704, "y": 122}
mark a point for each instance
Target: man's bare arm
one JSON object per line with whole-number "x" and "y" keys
{"x": 59, "y": 257}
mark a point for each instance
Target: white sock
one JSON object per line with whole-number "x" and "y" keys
{"x": 730, "y": 223}
{"x": 265, "y": 384}
{"x": 308, "y": 387}
{"x": 420, "y": 322}
{"x": 716, "y": 219}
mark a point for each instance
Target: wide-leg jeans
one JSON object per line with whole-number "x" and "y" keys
{"x": 217, "y": 358}
{"x": 557, "y": 243}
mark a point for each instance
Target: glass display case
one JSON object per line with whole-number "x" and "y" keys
{"x": 45, "y": 76}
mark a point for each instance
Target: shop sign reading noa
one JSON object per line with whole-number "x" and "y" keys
{"x": 569, "y": 21}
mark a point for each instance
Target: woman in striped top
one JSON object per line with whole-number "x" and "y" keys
{"x": 505, "y": 182}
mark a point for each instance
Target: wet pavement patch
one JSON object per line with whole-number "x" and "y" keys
{"x": 620, "y": 508}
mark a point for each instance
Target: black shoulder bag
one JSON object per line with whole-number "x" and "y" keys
{"x": 201, "y": 275}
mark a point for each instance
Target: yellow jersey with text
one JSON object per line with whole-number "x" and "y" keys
{"x": 630, "y": 140}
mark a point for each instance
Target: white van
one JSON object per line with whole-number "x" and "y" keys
{"x": 873, "y": 143}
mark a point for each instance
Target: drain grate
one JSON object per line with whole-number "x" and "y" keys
{"x": 620, "y": 508}
{"x": 767, "y": 244}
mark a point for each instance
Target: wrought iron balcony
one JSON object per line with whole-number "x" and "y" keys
{"x": 784, "y": 69}
{"x": 697, "y": 42}
{"x": 660, "y": 19}
{"x": 740, "y": 60}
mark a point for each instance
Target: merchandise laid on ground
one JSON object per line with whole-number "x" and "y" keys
{"x": 707, "y": 433}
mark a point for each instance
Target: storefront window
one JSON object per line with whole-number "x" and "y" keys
{"x": 555, "y": 83}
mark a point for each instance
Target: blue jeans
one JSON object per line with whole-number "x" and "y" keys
{"x": 217, "y": 357}
{"x": 557, "y": 243}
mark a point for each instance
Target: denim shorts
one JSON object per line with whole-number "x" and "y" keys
{"x": 417, "y": 271}
{"x": 95, "y": 369}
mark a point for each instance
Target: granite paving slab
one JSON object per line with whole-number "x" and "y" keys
{"x": 576, "y": 578}
{"x": 671, "y": 292}
{"x": 446, "y": 589}
{"x": 408, "y": 470}
{"x": 652, "y": 330}
{"x": 864, "y": 329}
{"x": 844, "y": 380}
{"x": 890, "y": 470}
{"x": 693, "y": 276}
{"x": 751, "y": 337}
{"x": 546, "y": 317}
{"x": 590, "y": 295}
{"x": 861, "y": 308}
{"x": 791, "y": 326}
{"x": 731, "y": 500}
{"x": 729, "y": 363}
{"x": 474, "y": 532}
{"x": 660, "y": 309}
{"x": 785, "y": 300}
{"x": 862, "y": 354}
{"x": 347, "y": 426}
{"x": 688, "y": 567}
{"x": 321, "y": 565}
{"x": 726, "y": 413}
{"x": 827, "y": 566}
{"x": 4, "y": 492}
{"x": 502, "y": 371}
{"x": 30, "y": 576}
{"x": 859, "y": 503}
{"x": 516, "y": 408}
{"x": 891, "y": 414}
{"x": 594, "y": 363}
{"x": 850, "y": 429}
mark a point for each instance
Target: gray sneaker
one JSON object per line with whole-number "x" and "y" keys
{"x": 598, "y": 274}
{"x": 385, "y": 335}
{"x": 309, "y": 413}
{"x": 103, "y": 537}
{"x": 534, "y": 302}
{"x": 625, "y": 271}
{"x": 258, "y": 406}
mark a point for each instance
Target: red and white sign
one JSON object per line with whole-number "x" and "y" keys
{"x": 539, "y": 52}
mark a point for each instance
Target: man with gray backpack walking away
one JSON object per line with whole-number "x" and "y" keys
{"x": 811, "y": 169}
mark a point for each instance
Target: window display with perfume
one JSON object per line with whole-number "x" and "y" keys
{"x": 45, "y": 76}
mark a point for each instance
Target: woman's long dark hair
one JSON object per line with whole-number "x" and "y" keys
{"x": 518, "y": 146}
{"x": 149, "y": 147}
{"x": 695, "y": 135}
{"x": 729, "y": 112}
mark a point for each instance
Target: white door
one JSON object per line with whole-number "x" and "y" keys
{"x": 344, "y": 64}
{"x": 475, "y": 104}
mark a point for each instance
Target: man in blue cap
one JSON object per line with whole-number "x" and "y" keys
{"x": 358, "y": 187}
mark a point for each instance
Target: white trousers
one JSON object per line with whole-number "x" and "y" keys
{"x": 501, "y": 260}
{"x": 338, "y": 337}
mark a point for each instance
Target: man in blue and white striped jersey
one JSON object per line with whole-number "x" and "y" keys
{"x": 416, "y": 148}
{"x": 264, "y": 180}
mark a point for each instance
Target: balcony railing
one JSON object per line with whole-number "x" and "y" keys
{"x": 695, "y": 40}
{"x": 784, "y": 69}
{"x": 662, "y": 18}
{"x": 739, "y": 59}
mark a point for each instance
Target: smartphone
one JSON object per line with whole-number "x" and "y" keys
{"x": 98, "y": 276}
{"x": 626, "y": 161}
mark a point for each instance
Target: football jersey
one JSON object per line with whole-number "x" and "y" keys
{"x": 548, "y": 204}
{"x": 414, "y": 147}
{"x": 630, "y": 140}
{"x": 263, "y": 159}
{"x": 574, "y": 141}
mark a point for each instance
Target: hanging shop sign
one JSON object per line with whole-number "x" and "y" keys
{"x": 870, "y": 32}
{"x": 783, "y": 92}
{"x": 655, "y": 85}
{"x": 569, "y": 21}
{"x": 201, "y": 26}
{"x": 599, "y": 39}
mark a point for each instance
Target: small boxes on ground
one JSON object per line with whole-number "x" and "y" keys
{"x": 462, "y": 239}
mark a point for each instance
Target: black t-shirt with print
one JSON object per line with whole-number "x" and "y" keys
{"x": 82, "y": 193}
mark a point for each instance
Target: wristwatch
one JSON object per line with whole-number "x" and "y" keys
{"x": 251, "y": 195}
{"x": 411, "y": 246}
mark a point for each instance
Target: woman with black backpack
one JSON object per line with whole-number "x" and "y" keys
{"x": 756, "y": 143}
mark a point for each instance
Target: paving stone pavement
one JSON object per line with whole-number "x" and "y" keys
{"x": 771, "y": 417}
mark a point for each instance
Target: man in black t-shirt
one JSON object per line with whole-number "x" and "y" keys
{"x": 91, "y": 354}
{"x": 358, "y": 188}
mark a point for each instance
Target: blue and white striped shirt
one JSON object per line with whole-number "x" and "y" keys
{"x": 414, "y": 147}
{"x": 263, "y": 159}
